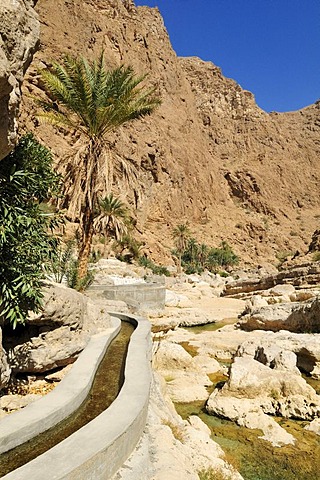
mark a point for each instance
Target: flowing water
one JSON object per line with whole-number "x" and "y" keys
{"x": 106, "y": 386}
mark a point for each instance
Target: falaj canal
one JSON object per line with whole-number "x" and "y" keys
{"x": 106, "y": 386}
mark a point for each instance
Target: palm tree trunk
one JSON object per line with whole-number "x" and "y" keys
{"x": 85, "y": 246}
{"x": 179, "y": 269}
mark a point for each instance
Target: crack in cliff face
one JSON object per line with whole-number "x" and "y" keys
{"x": 210, "y": 143}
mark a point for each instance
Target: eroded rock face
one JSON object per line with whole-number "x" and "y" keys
{"x": 278, "y": 284}
{"x": 19, "y": 35}
{"x": 209, "y": 132}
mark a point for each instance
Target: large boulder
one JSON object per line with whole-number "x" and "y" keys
{"x": 294, "y": 317}
{"x": 254, "y": 387}
{"x": 57, "y": 335}
{"x": 186, "y": 376}
{"x": 293, "y": 350}
{"x": 19, "y": 36}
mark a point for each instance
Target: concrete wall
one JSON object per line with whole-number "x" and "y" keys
{"x": 98, "y": 450}
{"x": 142, "y": 296}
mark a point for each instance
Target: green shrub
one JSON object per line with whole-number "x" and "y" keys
{"x": 156, "y": 269}
{"x": 128, "y": 248}
{"x": 64, "y": 266}
{"x": 316, "y": 257}
{"x": 27, "y": 180}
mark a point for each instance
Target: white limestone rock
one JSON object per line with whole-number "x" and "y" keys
{"x": 294, "y": 317}
{"x": 272, "y": 432}
{"x": 10, "y": 403}
{"x": 186, "y": 380}
{"x": 252, "y": 385}
{"x": 314, "y": 426}
{"x": 55, "y": 337}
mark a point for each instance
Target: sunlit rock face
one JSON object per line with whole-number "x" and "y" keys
{"x": 19, "y": 36}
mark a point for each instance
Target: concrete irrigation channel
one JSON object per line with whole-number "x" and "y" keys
{"x": 95, "y": 439}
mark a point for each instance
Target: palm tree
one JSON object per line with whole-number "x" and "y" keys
{"x": 93, "y": 101}
{"x": 113, "y": 219}
{"x": 203, "y": 254}
{"x": 181, "y": 235}
{"x": 193, "y": 249}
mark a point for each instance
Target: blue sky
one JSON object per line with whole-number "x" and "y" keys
{"x": 270, "y": 47}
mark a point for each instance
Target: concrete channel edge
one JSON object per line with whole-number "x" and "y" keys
{"x": 99, "y": 449}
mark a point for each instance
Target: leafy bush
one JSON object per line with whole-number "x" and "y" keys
{"x": 73, "y": 280}
{"x": 64, "y": 266}
{"x": 221, "y": 257}
{"x": 26, "y": 181}
{"x": 128, "y": 248}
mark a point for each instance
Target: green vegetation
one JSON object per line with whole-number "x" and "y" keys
{"x": 316, "y": 257}
{"x": 127, "y": 248}
{"x": 27, "y": 180}
{"x": 64, "y": 266}
{"x": 181, "y": 235}
{"x": 195, "y": 257}
{"x": 86, "y": 97}
{"x": 156, "y": 269}
{"x": 113, "y": 220}
{"x": 213, "y": 474}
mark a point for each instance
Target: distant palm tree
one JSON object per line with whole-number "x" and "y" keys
{"x": 93, "y": 101}
{"x": 193, "y": 249}
{"x": 181, "y": 235}
{"x": 203, "y": 254}
{"x": 113, "y": 219}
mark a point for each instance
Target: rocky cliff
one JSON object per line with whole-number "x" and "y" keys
{"x": 209, "y": 155}
{"x": 19, "y": 35}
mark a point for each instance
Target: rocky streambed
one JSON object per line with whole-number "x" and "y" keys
{"x": 253, "y": 380}
{"x": 243, "y": 372}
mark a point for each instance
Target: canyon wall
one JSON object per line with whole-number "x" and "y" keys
{"x": 208, "y": 156}
{"x": 19, "y": 35}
